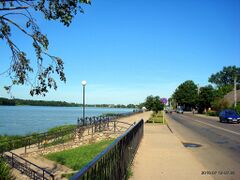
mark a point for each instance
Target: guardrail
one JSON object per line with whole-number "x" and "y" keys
{"x": 33, "y": 140}
{"x": 28, "y": 168}
{"x": 114, "y": 161}
{"x": 92, "y": 120}
{"x": 42, "y": 140}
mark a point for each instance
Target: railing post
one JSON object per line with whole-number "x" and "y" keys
{"x": 114, "y": 126}
{"x": 38, "y": 142}
{"x": 114, "y": 161}
{"x": 78, "y": 122}
{"x": 25, "y": 149}
{"x": 12, "y": 161}
{"x": 92, "y": 127}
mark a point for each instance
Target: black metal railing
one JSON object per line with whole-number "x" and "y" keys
{"x": 42, "y": 140}
{"x": 26, "y": 167}
{"x": 97, "y": 119}
{"x": 113, "y": 162}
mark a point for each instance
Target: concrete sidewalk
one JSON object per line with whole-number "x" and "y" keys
{"x": 161, "y": 155}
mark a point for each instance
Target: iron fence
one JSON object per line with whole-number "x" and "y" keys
{"x": 42, "y": 140}
{"x": 113, "y": 162}
{"x": 26, "y": 167}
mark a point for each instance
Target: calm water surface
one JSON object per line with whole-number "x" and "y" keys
{"x": 20, "y": 120}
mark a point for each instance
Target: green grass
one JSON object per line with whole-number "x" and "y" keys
{"x": 110, "y": 114}
{"x": 67, "y": 175}
{"x": 5, "y": 171}
{"x": 61, "y": 128}
{"x": 79, "y": 157}
{"x": 8, "y": 138}
{"x": 212, "y": 113}
{"x": 156, "y": 118}
{"x": 62, "y": 140}
{"x": 20, "y": 141}
{"x": 129, "y": 172}
{"x": 52, "y": 130}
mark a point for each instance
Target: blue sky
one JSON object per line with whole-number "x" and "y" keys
{"x": 127, "y": 50}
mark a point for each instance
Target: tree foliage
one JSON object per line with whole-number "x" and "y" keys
{"x": 225, "y": 77}
{"x": 12, "y": 14}
{"x": 205, "y": 98}
{"x": 224, "y": 81}
{"x": 186, "y": 94}
{"x": 153, "y": 103}
{"x": 19, "y": 102}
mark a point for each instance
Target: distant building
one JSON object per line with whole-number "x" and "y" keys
{"x": 229, "y": 97}
{"x": 111, "y": 105}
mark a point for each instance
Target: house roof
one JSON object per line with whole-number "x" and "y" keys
{"x": 229, "y": 97}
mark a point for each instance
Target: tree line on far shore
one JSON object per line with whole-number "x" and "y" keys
{"x": 23, "y": 102}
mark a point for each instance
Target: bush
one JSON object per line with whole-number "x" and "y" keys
{"x": 5, "y": 171}
{"x": 237, "y": 108}
{"x": 156, "y": 118}
{"x": 219, "y": 105}
{"x": 212, "y": 113}
{"x": 110, "y": 114}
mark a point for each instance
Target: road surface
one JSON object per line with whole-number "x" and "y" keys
{"x": 219, "y": 152}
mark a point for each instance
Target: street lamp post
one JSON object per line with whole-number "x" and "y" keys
{"x": 235, "y": 91}
{"x": 84, "y": 85}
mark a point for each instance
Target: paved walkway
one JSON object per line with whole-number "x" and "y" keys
{"x": 161, "y": 155}
{"x": 58, "y": 169}
{"x": 137, "y": 117}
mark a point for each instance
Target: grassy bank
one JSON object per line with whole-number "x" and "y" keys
{"x": 5, "y": 171}
{"x": 157, "y": 118}
{"x": 51, "y": 130}
{"x": 13, "y": 142}
{"x": 78, "y": 157}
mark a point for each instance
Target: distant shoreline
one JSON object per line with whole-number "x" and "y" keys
{"x": 24, "y": 102}
{"x": 91, "y": 106}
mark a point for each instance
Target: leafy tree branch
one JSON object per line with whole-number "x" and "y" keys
{"x": 20, "y": 69}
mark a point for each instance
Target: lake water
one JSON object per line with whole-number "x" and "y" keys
{"x": 20, "y": 120}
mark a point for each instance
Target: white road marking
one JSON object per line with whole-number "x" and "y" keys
{"x": 227, "y": 130}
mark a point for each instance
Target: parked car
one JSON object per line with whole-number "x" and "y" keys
{"x": 229, "y": 116}
{"x": 168, "y": 110}
{"x": 179, "y": 110}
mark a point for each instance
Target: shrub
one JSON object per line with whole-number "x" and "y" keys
{"x": 5, "y": 171}
{"x": 237, "y": 108}
{"x": 219, "y": 105}
{"x": 110, "y": 114}
{"x": 156, "y": 118}
{"x": 212, "y": 113}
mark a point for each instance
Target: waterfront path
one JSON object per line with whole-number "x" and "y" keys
{"x": 136, "y": 117}
{"x": 58, "y": 169}
{"x": 161, "y": 155}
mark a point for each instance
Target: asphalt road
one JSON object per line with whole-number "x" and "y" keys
{"x": 219, "y": 152}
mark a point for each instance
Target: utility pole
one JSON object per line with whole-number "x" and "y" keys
{"x": 235, "y": 91}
